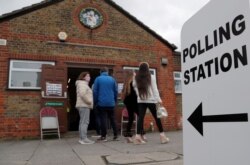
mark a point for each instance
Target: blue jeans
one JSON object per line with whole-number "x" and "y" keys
{"x": 107, "y": 113}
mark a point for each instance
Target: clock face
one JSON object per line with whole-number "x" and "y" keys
{"x": 91, "y": 18}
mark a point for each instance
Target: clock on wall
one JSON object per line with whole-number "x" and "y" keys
{"x": 91, "y": 17}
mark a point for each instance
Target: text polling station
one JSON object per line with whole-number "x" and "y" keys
{"x": 227, "y": 61}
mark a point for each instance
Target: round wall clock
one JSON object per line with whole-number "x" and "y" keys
{"x": 91, "y": 17}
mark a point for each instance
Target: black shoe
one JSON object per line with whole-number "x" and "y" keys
{"x": 128, "y": 134}
{"x": 102, "y": 139}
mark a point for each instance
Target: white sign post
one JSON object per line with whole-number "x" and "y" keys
{"x": 216, "y": 84}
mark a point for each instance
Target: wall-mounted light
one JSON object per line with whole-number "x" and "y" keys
{"x": 164, "y": 61}
{"x": 62, "y": 36}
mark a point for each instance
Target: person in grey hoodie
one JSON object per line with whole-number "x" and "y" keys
{"x": 84, "y": 102}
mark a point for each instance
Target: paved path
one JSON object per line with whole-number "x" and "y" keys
{"x": 68, "y": 151}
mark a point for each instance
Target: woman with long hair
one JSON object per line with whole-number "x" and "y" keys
{"x": 129, "y": 98}
{"x": 147, "y": 97}
{"x": 84, "y": 102}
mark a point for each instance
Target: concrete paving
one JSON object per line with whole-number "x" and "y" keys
{"x": 68, "y": 151}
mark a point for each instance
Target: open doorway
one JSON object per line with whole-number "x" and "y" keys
{"x": 73, "y": 115}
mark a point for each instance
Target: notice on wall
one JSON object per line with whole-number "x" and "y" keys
{"x": 120, "y": 87}
{"x": 3, "y": 42}
{"x": 53, "y": 89}
{"x": 215, "y": 58}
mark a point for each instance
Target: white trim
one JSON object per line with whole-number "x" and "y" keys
{"x": 177, "y": 79}
{"x": 16, "y": 69}
{"x": 153, "y": 71}
{"x": 3, "y": 42}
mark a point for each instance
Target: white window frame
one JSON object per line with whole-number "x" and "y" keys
{"x": 11, "y": 69}
{"x": 152, "y": 71}
{"x": 177, "y": 79}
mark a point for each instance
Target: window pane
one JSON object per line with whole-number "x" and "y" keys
{"x": 152, "y": 71}
{"x": 26, "y": 74}
{"x": 178, "y": 86}
{"x": 177, "y": 75}
{"x": 25, "y": 79}
{"x": 27, "y": 65}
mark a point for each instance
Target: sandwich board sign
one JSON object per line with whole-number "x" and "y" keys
{"x": 215, "y": 55}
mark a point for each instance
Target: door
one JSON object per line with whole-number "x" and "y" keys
{"x": 54, "y": 92}
{"x": 73, "y": 114}
{"x": 119, "y": 75}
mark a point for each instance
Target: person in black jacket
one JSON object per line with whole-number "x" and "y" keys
{"x": 129, "y": 98}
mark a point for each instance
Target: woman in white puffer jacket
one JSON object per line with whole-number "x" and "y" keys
{"x": 84, "y": 102}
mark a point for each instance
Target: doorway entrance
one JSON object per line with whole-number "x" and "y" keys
{"x": 73, "y": 115}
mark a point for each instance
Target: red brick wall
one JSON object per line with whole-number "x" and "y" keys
{"x": 32, "y": 36}
{"x": 177, "y": 67}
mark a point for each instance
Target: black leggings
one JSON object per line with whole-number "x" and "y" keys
{"x": 132, "y": 110}
{"x": 142, "y": 107}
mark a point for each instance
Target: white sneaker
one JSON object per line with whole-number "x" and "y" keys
{"x": 86, "y": 141}
{"x": 129, "y": 140}
{"x": 138, "y": 140}
{"x": 96, "y": 136}
{"x": 144, "y": 138}
{"x": 164, "y": 139}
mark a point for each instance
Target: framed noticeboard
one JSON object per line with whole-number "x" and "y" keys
{"x": 53, "y": 89}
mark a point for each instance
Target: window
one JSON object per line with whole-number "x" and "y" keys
{"x": 152, "y": 71}
{"x": 177, "y": 82}
{"x": 26, "y": 74}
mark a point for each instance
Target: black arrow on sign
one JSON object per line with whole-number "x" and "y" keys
{"x": 197, "y": 120}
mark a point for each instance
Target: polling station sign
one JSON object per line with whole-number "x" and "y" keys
{"x": 215, "y": 54}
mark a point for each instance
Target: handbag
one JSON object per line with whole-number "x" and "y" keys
{"x": 161, "y": 111}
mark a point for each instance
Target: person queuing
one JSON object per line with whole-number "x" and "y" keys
{"x": 84, "y": 102}
{"x": 97, "y": 121}
{"x": 147, "y": 97}
{"x": 105, "y": 98}
{"x": 129, "y": 98}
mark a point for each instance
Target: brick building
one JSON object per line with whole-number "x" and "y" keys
{"x": 44, "y": 47}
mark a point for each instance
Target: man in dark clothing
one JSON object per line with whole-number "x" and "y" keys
{"x": 105, "y": 97}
